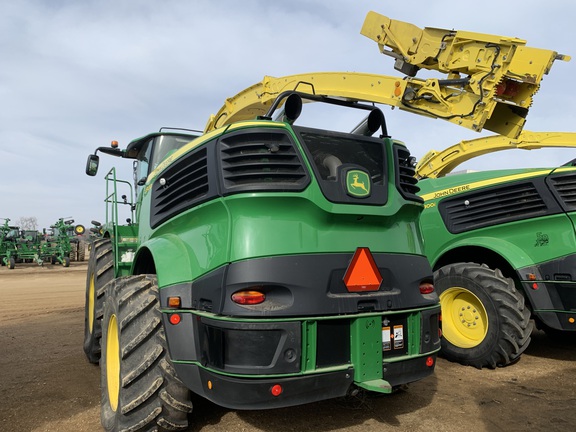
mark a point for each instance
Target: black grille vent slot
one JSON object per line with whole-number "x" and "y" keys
{"x": 406, "y": 181}
{"x": 491, "y": 207}
{"x": 185, "y": 184}
{"x": 261, "y": 161}
{"x": 565, "y": 187}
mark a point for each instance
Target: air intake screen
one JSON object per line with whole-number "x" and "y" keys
{"x": 185, "y": 185}
{"x": 261, "y": 160}
{"x": 491, "y": 207}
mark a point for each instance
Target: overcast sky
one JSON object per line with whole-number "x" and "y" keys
{"x": 76, "y": 74}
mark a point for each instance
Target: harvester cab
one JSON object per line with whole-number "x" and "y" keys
{"x": 147, "y": 153}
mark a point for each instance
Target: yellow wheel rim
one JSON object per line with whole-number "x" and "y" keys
{"x": 91, "y": 304}
{"x": 113, "y": 362}
{"x": 464, "y": 318}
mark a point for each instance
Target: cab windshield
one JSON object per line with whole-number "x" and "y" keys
{"x": 164, "y": 146}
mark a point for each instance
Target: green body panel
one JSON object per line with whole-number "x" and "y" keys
{"x": 366, "y": 340}
{"x": 274, "y": 225}
{"x": 433, "y": 188}
{"x": 517, "y": 241}
{"x": 215, "y": 233}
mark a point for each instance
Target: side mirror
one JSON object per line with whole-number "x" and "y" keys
{"x": 92, "y": 165}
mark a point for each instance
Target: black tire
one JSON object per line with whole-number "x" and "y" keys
{"x": 66, "y": 261}
{"x": 73, "y": 251}
{"x": 81, "y": 251}
{"x": 485, "y": 322}
{"x": 79, "y": 229}
{"x": 11, "y": 263}
{"x": 142, "y": 391}
{"x": 100, "y": 272}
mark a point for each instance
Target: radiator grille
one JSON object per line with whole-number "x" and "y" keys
{"x": 565, "y": 187}
{"x": 491, "y": 207}
{"x": 406, "y": 181}
{"x": 185, "y": 184}
{"x": 261, "y": 161}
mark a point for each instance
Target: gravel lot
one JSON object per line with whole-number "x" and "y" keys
{"x": 46, "y": 384}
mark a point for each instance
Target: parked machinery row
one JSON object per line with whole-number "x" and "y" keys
{"x": 61, "y": 243}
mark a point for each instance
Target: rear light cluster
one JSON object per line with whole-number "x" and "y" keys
{"x": 174, "y": 303}
{"x": 248, "y": 297}
{"x": 426, "y": 287}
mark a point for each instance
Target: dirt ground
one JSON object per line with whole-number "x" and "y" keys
{"x": 46, "y": 384}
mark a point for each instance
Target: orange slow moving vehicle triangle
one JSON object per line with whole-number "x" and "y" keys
{"x": 362, "y": 273}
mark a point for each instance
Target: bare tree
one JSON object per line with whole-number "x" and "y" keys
{"x": 28, "y": 223}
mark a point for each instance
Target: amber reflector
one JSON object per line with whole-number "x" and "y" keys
{"x": 174, "y": 302}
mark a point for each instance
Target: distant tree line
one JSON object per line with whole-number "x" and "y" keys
{"x": 29, "y": 223}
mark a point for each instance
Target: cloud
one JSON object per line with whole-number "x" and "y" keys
{"x": 76, "y": 75}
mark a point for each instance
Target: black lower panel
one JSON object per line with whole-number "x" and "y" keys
{"x": 254, "y": 393}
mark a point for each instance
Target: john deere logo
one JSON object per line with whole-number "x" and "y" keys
{"x": 358, "y": 183}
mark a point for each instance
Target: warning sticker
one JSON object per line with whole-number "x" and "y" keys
{"x": 398, "y": 336}
{"x": 386, "y": 341}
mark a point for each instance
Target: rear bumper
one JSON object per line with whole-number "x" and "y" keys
{"x": 267, "y": 393}
{"x": 552, "y": 293}
{"x": 237, "y": 363}
{"x": 253, "y": 394}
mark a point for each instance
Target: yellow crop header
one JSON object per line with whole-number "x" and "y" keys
{"x": 439, "y": 163}
{"x": 489, "y": 80}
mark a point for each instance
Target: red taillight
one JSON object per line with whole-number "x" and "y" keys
{"x": 175, "y": 319}
{"x": 276, "y": 390}
{"x": 426, "y": 288}
{"x": 430, "y": 361}
{"x": 248, "y": 297}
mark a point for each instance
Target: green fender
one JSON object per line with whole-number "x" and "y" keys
{"x": 516, "y": 256}
{"x": 173, "y": 259}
